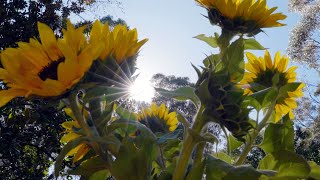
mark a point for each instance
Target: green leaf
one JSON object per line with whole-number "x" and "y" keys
{"x": 234, "y": 59}
{"x": 169, "y": 136}
{"x": 279, "y": 137}
{"x": 223, "y": 156}
{"x": 315, "y": 170}
{"x": 234, "y": 143}
{"x": 107, "y": 93}
{"x": 103, "y": 174}
{"x": 288, "y": 164}
{"x": 217, "y": 169}
{"x": 130, "y": 123}
{"x": 252, "y": 44}
{"x": 89, "y": 167}
{"x": 289, "y": 87}
{"x": 182, "y": 94}
{"x": 263, "y": 97}
{"x": 213, "y": 59}
{"x": 125, "y": 114}
{"x": 68, "y": 147}
{"x": 135, "y": 162}
{"x": 197, "y": 70}
{"x": 212, "y": 41}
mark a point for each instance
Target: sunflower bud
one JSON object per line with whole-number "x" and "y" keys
{"x": 223, "y": 103}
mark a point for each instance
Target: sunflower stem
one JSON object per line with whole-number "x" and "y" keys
{"x": 73, "y": 99}
{"x": 188, "y": 144}
{"x": 249, "y": 144}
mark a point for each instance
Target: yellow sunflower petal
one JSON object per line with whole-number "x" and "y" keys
{"x": 69, "y": 137}
{"x": 82, "y": 151}
{"x": 49, "y": 41}
{"x": 8, "y": 95}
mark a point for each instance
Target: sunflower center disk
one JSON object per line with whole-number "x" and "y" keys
{"x": 51, "y": 70}
{"x": 265, "y": 79}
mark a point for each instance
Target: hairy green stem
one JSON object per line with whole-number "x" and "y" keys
{"x": 199, "y": 154}
{"x": 249, "y": 144}
{"x": 188, "y": 144}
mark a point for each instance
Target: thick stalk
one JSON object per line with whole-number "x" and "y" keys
{"x": 199, "y": 154}
{"x": 187, "y": 148}
{"x": 254, "y": 135}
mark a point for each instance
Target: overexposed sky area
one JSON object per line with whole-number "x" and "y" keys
{"x": 170, "y": 26}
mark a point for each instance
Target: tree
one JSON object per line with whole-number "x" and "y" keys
{"x": 30, "y": 130}
{"x": 304, "y": 42}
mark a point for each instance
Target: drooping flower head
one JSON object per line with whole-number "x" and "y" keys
{"x": 158, "y": 118}
{"x": 119, "y": 42}
{"x": 242, "y": 16}
{"x": 262, "y": 72}
{"x": 72, "y": 132}
{"x": 47, "y": 68}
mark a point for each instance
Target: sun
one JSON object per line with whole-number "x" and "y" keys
{"x": 142, "y": 89}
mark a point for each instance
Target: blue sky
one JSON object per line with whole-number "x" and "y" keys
{"x": 170, "y": 26}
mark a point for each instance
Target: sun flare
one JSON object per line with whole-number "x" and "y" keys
{"x": 142, "y": 89}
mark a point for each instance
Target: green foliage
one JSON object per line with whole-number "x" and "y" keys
{"x": 217, "y": 169}
{"x": 30, "y": 138}
{"x": 252, "y": 44}
{"x": 212, "y": 41}
{"x": 233, "y": 59}
{"x": 182, "y": 93}
{"x": 288, "y": 164}
{"x": 279, "y": 137}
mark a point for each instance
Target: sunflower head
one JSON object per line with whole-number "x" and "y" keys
{"x": 118, "y": 55}
{"x": 242, "y": 16}
{"x": 47, "y": 68}
{"x": 158, "y": 119}
{"x": 119, "y": 42}
{"x": 264, "y": 73}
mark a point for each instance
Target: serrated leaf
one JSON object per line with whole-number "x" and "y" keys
{"x": 288, "y": 164}
{"x": 182, "y": 93}
{"x": 278, "y": 137}
{"x": 212, "y": 41}
{"x": 217, "y": 169}
{"x": 252, "y": 44}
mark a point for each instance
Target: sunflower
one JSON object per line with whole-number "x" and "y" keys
{"x": 245, "y": 16}
{"x": 261, "y": 75}
{"x": 120, "y": 43}
{"x": 49, "y": 68}
{"x": 158, "y": 118}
